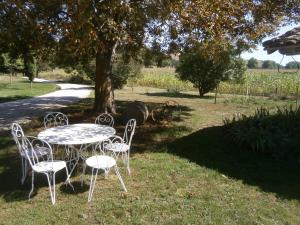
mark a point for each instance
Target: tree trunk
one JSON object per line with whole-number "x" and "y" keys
{"x": 201, "y": 92}
{"x": 104, "y": 96}
{"x": 216, "y": 93}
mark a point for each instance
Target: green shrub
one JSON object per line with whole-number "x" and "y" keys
{"x": 79, "y": 77}
{"x": 124, "y": 71}
{"x": 276, "y": 133}
{"x": 208, "y": 64}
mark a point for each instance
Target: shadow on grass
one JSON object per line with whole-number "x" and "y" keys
{"x": 77, "y": 188}
{"x": 11, "y": 188}
{"x": 13, "y": 98}
{"x": 210, "y": 148}
{"x": 176, "y": 95}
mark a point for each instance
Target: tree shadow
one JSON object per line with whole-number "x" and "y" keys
{"x": 13, "y": 98}
{"x": 210, "y": 148}
{"x": 177, "y": 95}
{"x": 78, "y": 188}
{"x": 11, "y": 188}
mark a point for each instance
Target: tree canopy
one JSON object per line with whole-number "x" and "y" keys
{"x": 88, "y": 29}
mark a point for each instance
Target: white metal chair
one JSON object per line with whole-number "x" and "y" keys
{"x": 105, "y": 119}
{"x": 45, "y": 165}
{"x": 54, "y": 119}
{"x": 18, "y": 134}
{"x": 100, "y": 161}
{"x": 121, "y": 146}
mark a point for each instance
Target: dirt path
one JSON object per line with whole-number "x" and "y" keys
{"x": 23, "y": 110}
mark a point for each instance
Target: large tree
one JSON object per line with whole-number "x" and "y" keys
{"x": 95, "y": 28}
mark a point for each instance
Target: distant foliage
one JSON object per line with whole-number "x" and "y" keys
{"x": 155, "y": 56}
{"x": 252, "y": 63}
{"x": 4, "y": 63}
{"x": 276, "y": 133}
{"x": 10, "y": 65}
{"x": 292, "y": 65}
{"x": 269, "y": 64}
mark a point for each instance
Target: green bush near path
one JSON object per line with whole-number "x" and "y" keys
{"x": 275, "y": 132}
{"x": 20, "y": 89}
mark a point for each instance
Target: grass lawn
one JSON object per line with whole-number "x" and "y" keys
{"x": 20, "y": 89}
{"x": 183, "y": 172}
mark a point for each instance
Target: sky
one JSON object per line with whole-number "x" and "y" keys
{"x": 260, "y": 54}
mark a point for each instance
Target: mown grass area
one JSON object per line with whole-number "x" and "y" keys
{"x": 20, "y": 88}
{"x": 185, "y": 171}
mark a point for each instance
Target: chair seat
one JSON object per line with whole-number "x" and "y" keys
{"x": 39, "y": 151}
{"x": 100, "y": 162}
{"x": 46, "y": 166}
{"x": 117, "y": 147}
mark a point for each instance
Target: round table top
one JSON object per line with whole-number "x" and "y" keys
{"x": 76, "y": 134}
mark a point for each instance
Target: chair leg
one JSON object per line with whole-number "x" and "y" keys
{"x": 92, "y": 184}
{"x": 24, "y": 170}
{"x": 127, "y": 163}
{"x": 83, "y": 172}
{"x": 120, "y": 178}
{"x": 32, "y": 185}
{"x": 106, "y": 172}
{"x": 68, "y": 179}
{"x": 51, "y": 189}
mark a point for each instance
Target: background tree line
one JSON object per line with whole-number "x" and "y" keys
{"x": 253, "y": 63}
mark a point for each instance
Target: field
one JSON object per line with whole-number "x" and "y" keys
{"x": 257, "y": 83}
{"x": 20, "y": 88}
{"x": 185, "y": 171}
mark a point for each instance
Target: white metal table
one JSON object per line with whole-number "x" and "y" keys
{"x": 77, "y": 138}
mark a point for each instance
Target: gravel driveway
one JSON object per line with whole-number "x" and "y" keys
{"x": 23, "y": 110}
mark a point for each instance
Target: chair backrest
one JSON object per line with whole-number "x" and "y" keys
{"x": 32, "y": 146}
{"x": 18, "y": 134}
{"x": 54, "y": 119}
{"x": 104, "y": 147}
{"x": 129, "y": 131}
{"x": 105, "y": 119}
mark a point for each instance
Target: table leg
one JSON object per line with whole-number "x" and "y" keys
{"x": 74, "y": 159}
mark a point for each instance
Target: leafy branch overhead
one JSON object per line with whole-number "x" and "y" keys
{"x": 94, "y": 29}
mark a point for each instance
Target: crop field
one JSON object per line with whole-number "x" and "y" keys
{"x": 257, "y": 82}
{"x": 163, "y": 78}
